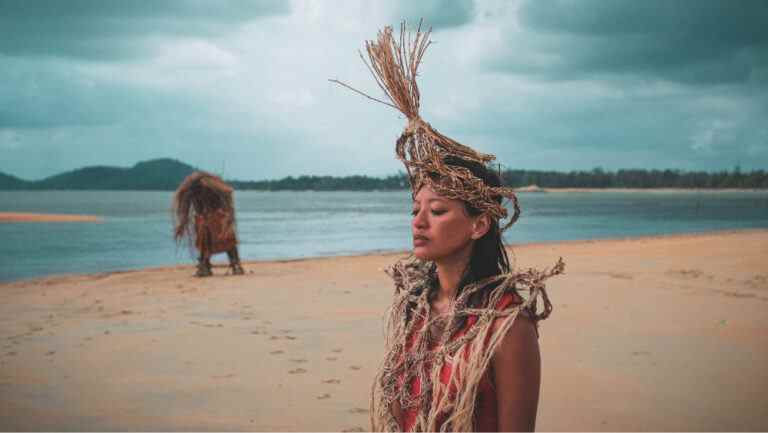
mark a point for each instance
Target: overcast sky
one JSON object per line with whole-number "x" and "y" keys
{"x": 240, "y": 87}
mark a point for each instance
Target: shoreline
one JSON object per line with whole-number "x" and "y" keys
{"x": 221, "y": 263}
{"x": 30, "y": 217}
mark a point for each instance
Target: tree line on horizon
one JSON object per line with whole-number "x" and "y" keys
{"x": 596, "y": 178}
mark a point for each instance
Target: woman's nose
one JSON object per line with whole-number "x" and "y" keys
{"x": 420, "y": 220}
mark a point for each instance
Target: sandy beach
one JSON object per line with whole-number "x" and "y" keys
{"x": 663, "y": 333}
{"x": 26, "y": 217}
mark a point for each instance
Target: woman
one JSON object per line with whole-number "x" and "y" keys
{"x": 461, "y": 349}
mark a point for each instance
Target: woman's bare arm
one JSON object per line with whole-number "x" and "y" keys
{"x": 517, "y": 376}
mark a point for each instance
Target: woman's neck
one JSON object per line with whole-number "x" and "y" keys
{"x": 450, "y": 271}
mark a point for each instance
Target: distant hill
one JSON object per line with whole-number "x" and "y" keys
{"x": 157, "y": 174}
{"x": 12, "y": 182}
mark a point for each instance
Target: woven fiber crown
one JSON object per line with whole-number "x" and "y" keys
{"x": 394, "y": 64}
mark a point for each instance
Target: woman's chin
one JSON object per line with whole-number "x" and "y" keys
{"x": 422, "y": 253}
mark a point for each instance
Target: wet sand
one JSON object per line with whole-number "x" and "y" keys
{"x": 664, "y": 333}
{"x": 17, "y": 217}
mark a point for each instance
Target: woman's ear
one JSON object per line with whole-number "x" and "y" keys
{"x": 480, "y": 226}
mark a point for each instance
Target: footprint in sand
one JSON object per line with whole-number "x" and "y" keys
{"x": 331, "y": 358}
{"x": 332, "y": 381}
{"x": 226, "y": 376}
{"x": 358, "y": 410}
{"x": 337, "y": 350}
{"x": 298, "y": 360}
{"x": 297, "y": 371}
{"x": 353, "y": 429}
{"x": 284, "y": 337}
{"x": 355, "y": 367}
{"x": 11, "y": 353}
{"x": 640, "y": 352}
{"x": 324, "y": 396}
{"x": 257, "y": 332}
{"x": 50, "y": 352}
{"x": 688, "y": 273}
{"x": 276, "y": 352}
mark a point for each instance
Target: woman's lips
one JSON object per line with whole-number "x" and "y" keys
{"x": 419, "y": 240}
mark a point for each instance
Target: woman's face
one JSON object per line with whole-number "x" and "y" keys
{"x": 442, "y": 227}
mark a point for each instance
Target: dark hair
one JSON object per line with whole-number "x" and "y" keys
{"x": 488, "y": 257}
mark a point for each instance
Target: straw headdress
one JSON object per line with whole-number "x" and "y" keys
{"x": 424, "y": 151}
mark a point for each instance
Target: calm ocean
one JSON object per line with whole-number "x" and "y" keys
{"x": 136, "y": 231}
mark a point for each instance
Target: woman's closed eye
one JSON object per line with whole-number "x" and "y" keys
{"x": 435, "y": 212}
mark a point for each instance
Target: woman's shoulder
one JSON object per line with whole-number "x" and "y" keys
{"x": 512, "y": 310}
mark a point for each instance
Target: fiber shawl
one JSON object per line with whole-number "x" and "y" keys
{"x": 451, "y": 406}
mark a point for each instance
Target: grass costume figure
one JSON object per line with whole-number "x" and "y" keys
{"x": 204, "y": 217}
{"x": 442, "y": 369}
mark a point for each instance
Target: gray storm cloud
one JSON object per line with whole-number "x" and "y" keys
{"x": 107, "y": 30}
{"x": 690, "y": 41}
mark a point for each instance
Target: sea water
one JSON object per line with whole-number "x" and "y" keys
{"x": 136, "y": 230}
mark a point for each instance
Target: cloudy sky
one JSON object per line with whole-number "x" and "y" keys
{"x": 241, "y": 87}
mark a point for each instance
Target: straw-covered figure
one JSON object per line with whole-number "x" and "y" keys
{"x": 461, "y": 348}
{"x": 204, "y": 217}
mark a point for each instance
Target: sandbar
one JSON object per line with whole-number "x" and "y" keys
{"x": 16, "y": 217}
